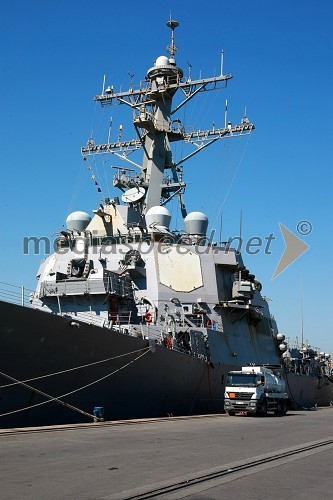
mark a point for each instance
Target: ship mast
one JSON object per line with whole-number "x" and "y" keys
{"x": 152, "y": 107}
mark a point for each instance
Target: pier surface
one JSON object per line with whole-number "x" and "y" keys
{"x": 209, "y": 457}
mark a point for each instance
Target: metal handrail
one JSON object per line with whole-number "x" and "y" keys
{"x": 9, "y": 293}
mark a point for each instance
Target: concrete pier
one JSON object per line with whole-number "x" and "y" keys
{"x": 208, "y": 457}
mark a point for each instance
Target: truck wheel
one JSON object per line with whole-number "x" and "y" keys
{"x": 231, "y": 413}
{"x": 283, "y": 408}
{"x": 263, "y": 409}
{"x": 278, "y": 411}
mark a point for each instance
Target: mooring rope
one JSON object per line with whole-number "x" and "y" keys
{"x": 43, "y": 394}
{"x": 71, "y": 369}
{"x": 57, "y": 398}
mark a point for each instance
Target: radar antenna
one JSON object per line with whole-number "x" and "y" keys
{"x": 172, "y": 49}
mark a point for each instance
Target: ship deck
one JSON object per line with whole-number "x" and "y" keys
{"x": 211, "y": 456}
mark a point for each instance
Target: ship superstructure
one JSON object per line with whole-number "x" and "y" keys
{"x": 126, "y": 257}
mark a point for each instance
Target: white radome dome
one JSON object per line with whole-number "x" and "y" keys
{"x": 159, "y": 216}
{"x": 162, "y": 61}
{"x": 77, "y": 221}
{"x": 196, "y": 223}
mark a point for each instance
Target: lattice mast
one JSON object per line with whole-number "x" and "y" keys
{"x": 152, "y": 106}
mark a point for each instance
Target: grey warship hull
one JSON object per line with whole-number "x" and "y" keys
{"x": 308, "y": 391}
{"x": 161, "y": 383}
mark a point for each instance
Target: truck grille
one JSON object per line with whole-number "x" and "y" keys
{"x": 245, "y": 396}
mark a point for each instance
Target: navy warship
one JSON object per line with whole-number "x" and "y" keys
{"x": 131, "y": 316}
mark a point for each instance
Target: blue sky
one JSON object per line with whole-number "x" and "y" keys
{"x": 53, "y": 57}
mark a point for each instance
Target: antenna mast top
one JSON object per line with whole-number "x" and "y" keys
{"x": 172, "y": 49}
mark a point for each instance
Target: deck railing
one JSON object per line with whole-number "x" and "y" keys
{"x": 26, "y": 297}
{"x": 15, "y": 294}
{"x": 109, "y": 284}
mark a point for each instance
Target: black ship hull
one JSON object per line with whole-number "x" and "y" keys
{"x": 161, "y": 382}
{"x": 306, "y": 391}
{"x": 34, "y": 343}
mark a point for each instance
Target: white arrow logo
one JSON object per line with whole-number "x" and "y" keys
{"x": 294, "y": 249}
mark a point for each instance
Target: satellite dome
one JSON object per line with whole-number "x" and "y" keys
{"x": 162, "y": 61}
{"x": 159, "y": 216}
{"x": 77, "y": 221}
{"x": 196, "y": 223}
{"x": 163, "y": 66}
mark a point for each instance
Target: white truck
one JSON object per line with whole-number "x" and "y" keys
{"x": 256, "y": 389}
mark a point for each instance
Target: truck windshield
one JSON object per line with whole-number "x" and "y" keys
{"x": 248, "y": 379}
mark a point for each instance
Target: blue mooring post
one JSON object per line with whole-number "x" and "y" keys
{"x": 98, "y": 414}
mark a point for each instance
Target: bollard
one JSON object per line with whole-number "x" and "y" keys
{"x": 98, "y": 414}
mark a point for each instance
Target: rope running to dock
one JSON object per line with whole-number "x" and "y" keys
{"x": 57, "y": 398}
{"x": 70, "y": 369}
